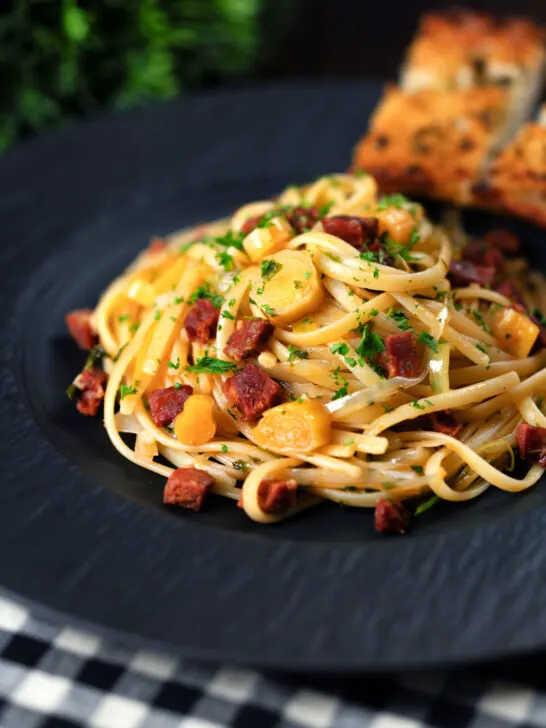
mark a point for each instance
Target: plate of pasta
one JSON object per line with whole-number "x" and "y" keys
{"x": 293, "y": 399}
{"x": 330, "y": 344}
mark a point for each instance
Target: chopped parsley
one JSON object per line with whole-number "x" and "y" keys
{"x": 228, "y": 315}
{"x": 373, "y": 312}
{"x": 125, "y": 317}
{"x": 426, "y": 505}
{"x": 126, "y": 389}
{"x": 325, "y": 209}
{"x": 404, "y": 251}
{"x": 428, "y": 340}
{"x": 269, "y": 268}
{"x": 134, "y": 327}
{"x": 157, "y": 315}
{"x": 418, "y": 469}
{"x": 400, "y": 319}
{"x": 370, "y": 345}
{"x": 174, "y": 364}
{"x": 206, "y": 291}
{"x": 416, "y": 404}
{"x": 395, "y": 200}
{"x": 178, "y": 300}
{"x": 341, "y": 392}
{"x": 348, "y": 443}
{"x": 225, "y": 260}
{"x": 231, "y": 240}
{"x": 479, "y": 318}
{"x": 296, "y": 353}
{"x": 376, "y": 272}
{"x": 267, "y": 309}
{"x": 340, "y": 347}
{"x": 307, "y": 275}
{"x": 224, "y": 448}
{"x": 210, "y": 365}
{"x": 481, "y": 348}
{"x": 178, "y": 385}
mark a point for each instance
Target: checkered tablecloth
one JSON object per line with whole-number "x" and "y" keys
{"x": 55, "y": 676}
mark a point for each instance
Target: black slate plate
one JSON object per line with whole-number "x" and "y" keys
{"x": 83, "y": 532}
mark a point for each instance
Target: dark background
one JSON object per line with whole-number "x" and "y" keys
{"x": 367, "y": 37}
{"x": 64, "y": 59}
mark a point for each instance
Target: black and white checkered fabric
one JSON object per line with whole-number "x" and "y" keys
{"x": 54, "y": 676}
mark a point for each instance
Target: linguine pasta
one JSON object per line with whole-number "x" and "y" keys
{"x": 350, "y": 425}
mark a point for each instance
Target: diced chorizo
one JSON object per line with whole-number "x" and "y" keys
{"x": 79, "y": 327}
{"x": 480, "y": 253}
{"x": 302, "y": 218}
{"x": 531, "y": 442}
{"x": 187, "y": 487}
{"x": 462, "y": 272}
{"x": 445, "y": 423}
{"x": 252, "y": 391}
{"x": 509, "y": 289}
{"x": 201, "y": 321}
{"x": 401, "y": 357}
{"x": 356, "y": 231}
{"x": 90, "y": 384}
{"x": 249, "y": 340}
{"x": 166, "y": 404}
{"x": 277, "y": 496}
{"x": 249, "y": 224}
{"x": 157, "y": 245}
{"x": 503, "y": 240}
{"x": 391, "y": 517}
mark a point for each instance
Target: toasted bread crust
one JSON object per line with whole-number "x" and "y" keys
{"x": 517, "y": 180}
{"x": 461, "y": 49}
{"x": 431, "y": 142}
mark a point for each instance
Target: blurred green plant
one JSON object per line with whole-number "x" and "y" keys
{"x": 60, "y": 59}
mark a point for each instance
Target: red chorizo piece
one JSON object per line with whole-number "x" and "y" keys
{"x": 401, "y": 357}
{"x": 356, "y": 231}
{"x": 187, "y": 487}
{"x": 252, "y": 391}
{"x": 249, "y": 340}
{"x": 445, "y": 423}
{"x": 157, "y": 245}
{"x": 166, "y": 404}
{"x": 302, "y": 218}
{"x": 540, "y": 343}
{"x": 90, "y": 384}
{"x": 391, "y": 517}
{"x": 201, "y": 321}
{"x": 462, "y": 272}
{"x": 79, "y": 327}
{"x": 277, "y": 496}
{"x": 503, "y": 240}
{"x": 531, "y": 442}
{"x": 480, "y": 253}
{"x": 249, "y": 224}
{"x": 509, "y": 289}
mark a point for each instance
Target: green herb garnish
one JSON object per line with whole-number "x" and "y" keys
{"x": 426, "y": 505}
{"x": 127, "y": 389}
{"x": 210, "y": 365}
{"x": 206, "y": 291}
{"x": 428, "y": 340}
{"x": 296, "y": 353}
{"x": 269, "y": 268}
